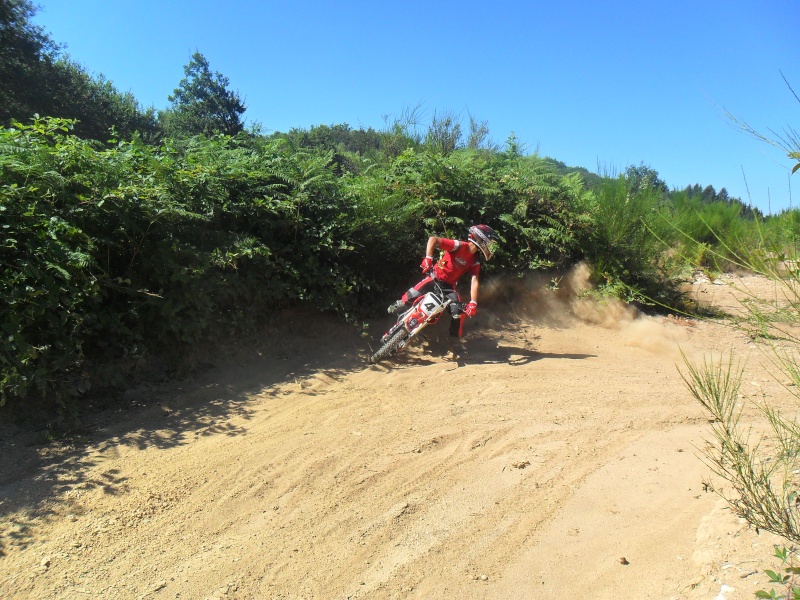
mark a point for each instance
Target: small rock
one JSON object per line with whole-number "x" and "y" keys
{"x": 45, "y": 562}
{"x": 484, "y": 578}
{"x": 624, "y": 561}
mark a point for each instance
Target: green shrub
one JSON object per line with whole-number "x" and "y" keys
{"x": 628, "y": 239}
{"x": 112, "y": 252}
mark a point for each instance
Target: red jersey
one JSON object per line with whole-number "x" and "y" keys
{"x": 456, "y": 261}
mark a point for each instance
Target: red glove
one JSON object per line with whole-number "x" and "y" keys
{"x": 471, "y": 309}
{"x": 427, "y": 264}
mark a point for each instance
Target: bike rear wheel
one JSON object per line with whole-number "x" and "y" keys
{"x": 390, "y": 345}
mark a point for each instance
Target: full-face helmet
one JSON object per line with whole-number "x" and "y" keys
{"x": 484, "y": 238}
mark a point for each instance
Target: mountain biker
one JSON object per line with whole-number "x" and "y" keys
{"x": 459, "y": 258}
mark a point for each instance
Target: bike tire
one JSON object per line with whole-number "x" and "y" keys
{"x": 389, "y": 346}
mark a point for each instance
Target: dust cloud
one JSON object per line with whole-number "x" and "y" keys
{"x": 566, "y": 300}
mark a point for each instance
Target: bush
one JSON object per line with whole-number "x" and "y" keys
{"x": 628, "y": 241}
{"x": 127, "y": 249}
{"x": 114, "y": 252}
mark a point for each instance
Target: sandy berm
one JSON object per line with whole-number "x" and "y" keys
{"x": 560, "y": 458}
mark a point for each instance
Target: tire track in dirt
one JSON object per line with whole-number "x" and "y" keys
{"x": 556, "y": 446}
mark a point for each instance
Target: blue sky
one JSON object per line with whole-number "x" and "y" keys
{"x": 601, "y": 85}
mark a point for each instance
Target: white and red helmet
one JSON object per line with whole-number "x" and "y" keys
{"x": 483, "y": 237}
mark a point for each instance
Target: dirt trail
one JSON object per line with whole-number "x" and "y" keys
{"x": 560, "y": 458}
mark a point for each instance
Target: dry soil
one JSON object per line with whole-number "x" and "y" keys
{"x": 561, "y": 457}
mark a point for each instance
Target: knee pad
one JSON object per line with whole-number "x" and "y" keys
{"x": 411, "y": 295}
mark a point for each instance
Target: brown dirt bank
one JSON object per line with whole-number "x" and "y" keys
{"x": 560, "y": 458}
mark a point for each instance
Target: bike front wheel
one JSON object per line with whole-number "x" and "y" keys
{"x": 389, "y": 345}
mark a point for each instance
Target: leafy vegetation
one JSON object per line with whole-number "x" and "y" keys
{"x": 203, "y": 104}
{"x": 785, "y": 578}
{"x": 37, "y": 78}
{"x": 128, "y": 232}
{"x": 115, "y": 251}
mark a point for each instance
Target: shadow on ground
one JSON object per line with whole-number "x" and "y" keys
{"x": 498, "y": 338}
{"x": 38, "y": 478}
{"x": 38, "y": 474}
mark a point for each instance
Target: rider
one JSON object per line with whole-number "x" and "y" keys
{"x": 459, "y": 258}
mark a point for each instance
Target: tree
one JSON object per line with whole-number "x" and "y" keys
{"x": 693, "y": 190}
{"x": 96, "y": 104}
{"x": 25, "y": 51}
{"x": 202, "y": 103}
{"x": 642, "y": 177}
{"x": 709, "y": 194}
{"x": 36, "y": 79}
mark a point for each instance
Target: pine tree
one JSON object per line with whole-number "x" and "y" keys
{"x": 202, "y": 103}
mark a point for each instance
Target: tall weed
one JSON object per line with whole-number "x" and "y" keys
{"x": 628, "y": 240}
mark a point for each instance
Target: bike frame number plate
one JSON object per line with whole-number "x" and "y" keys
{"x": 429, "y": 305}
